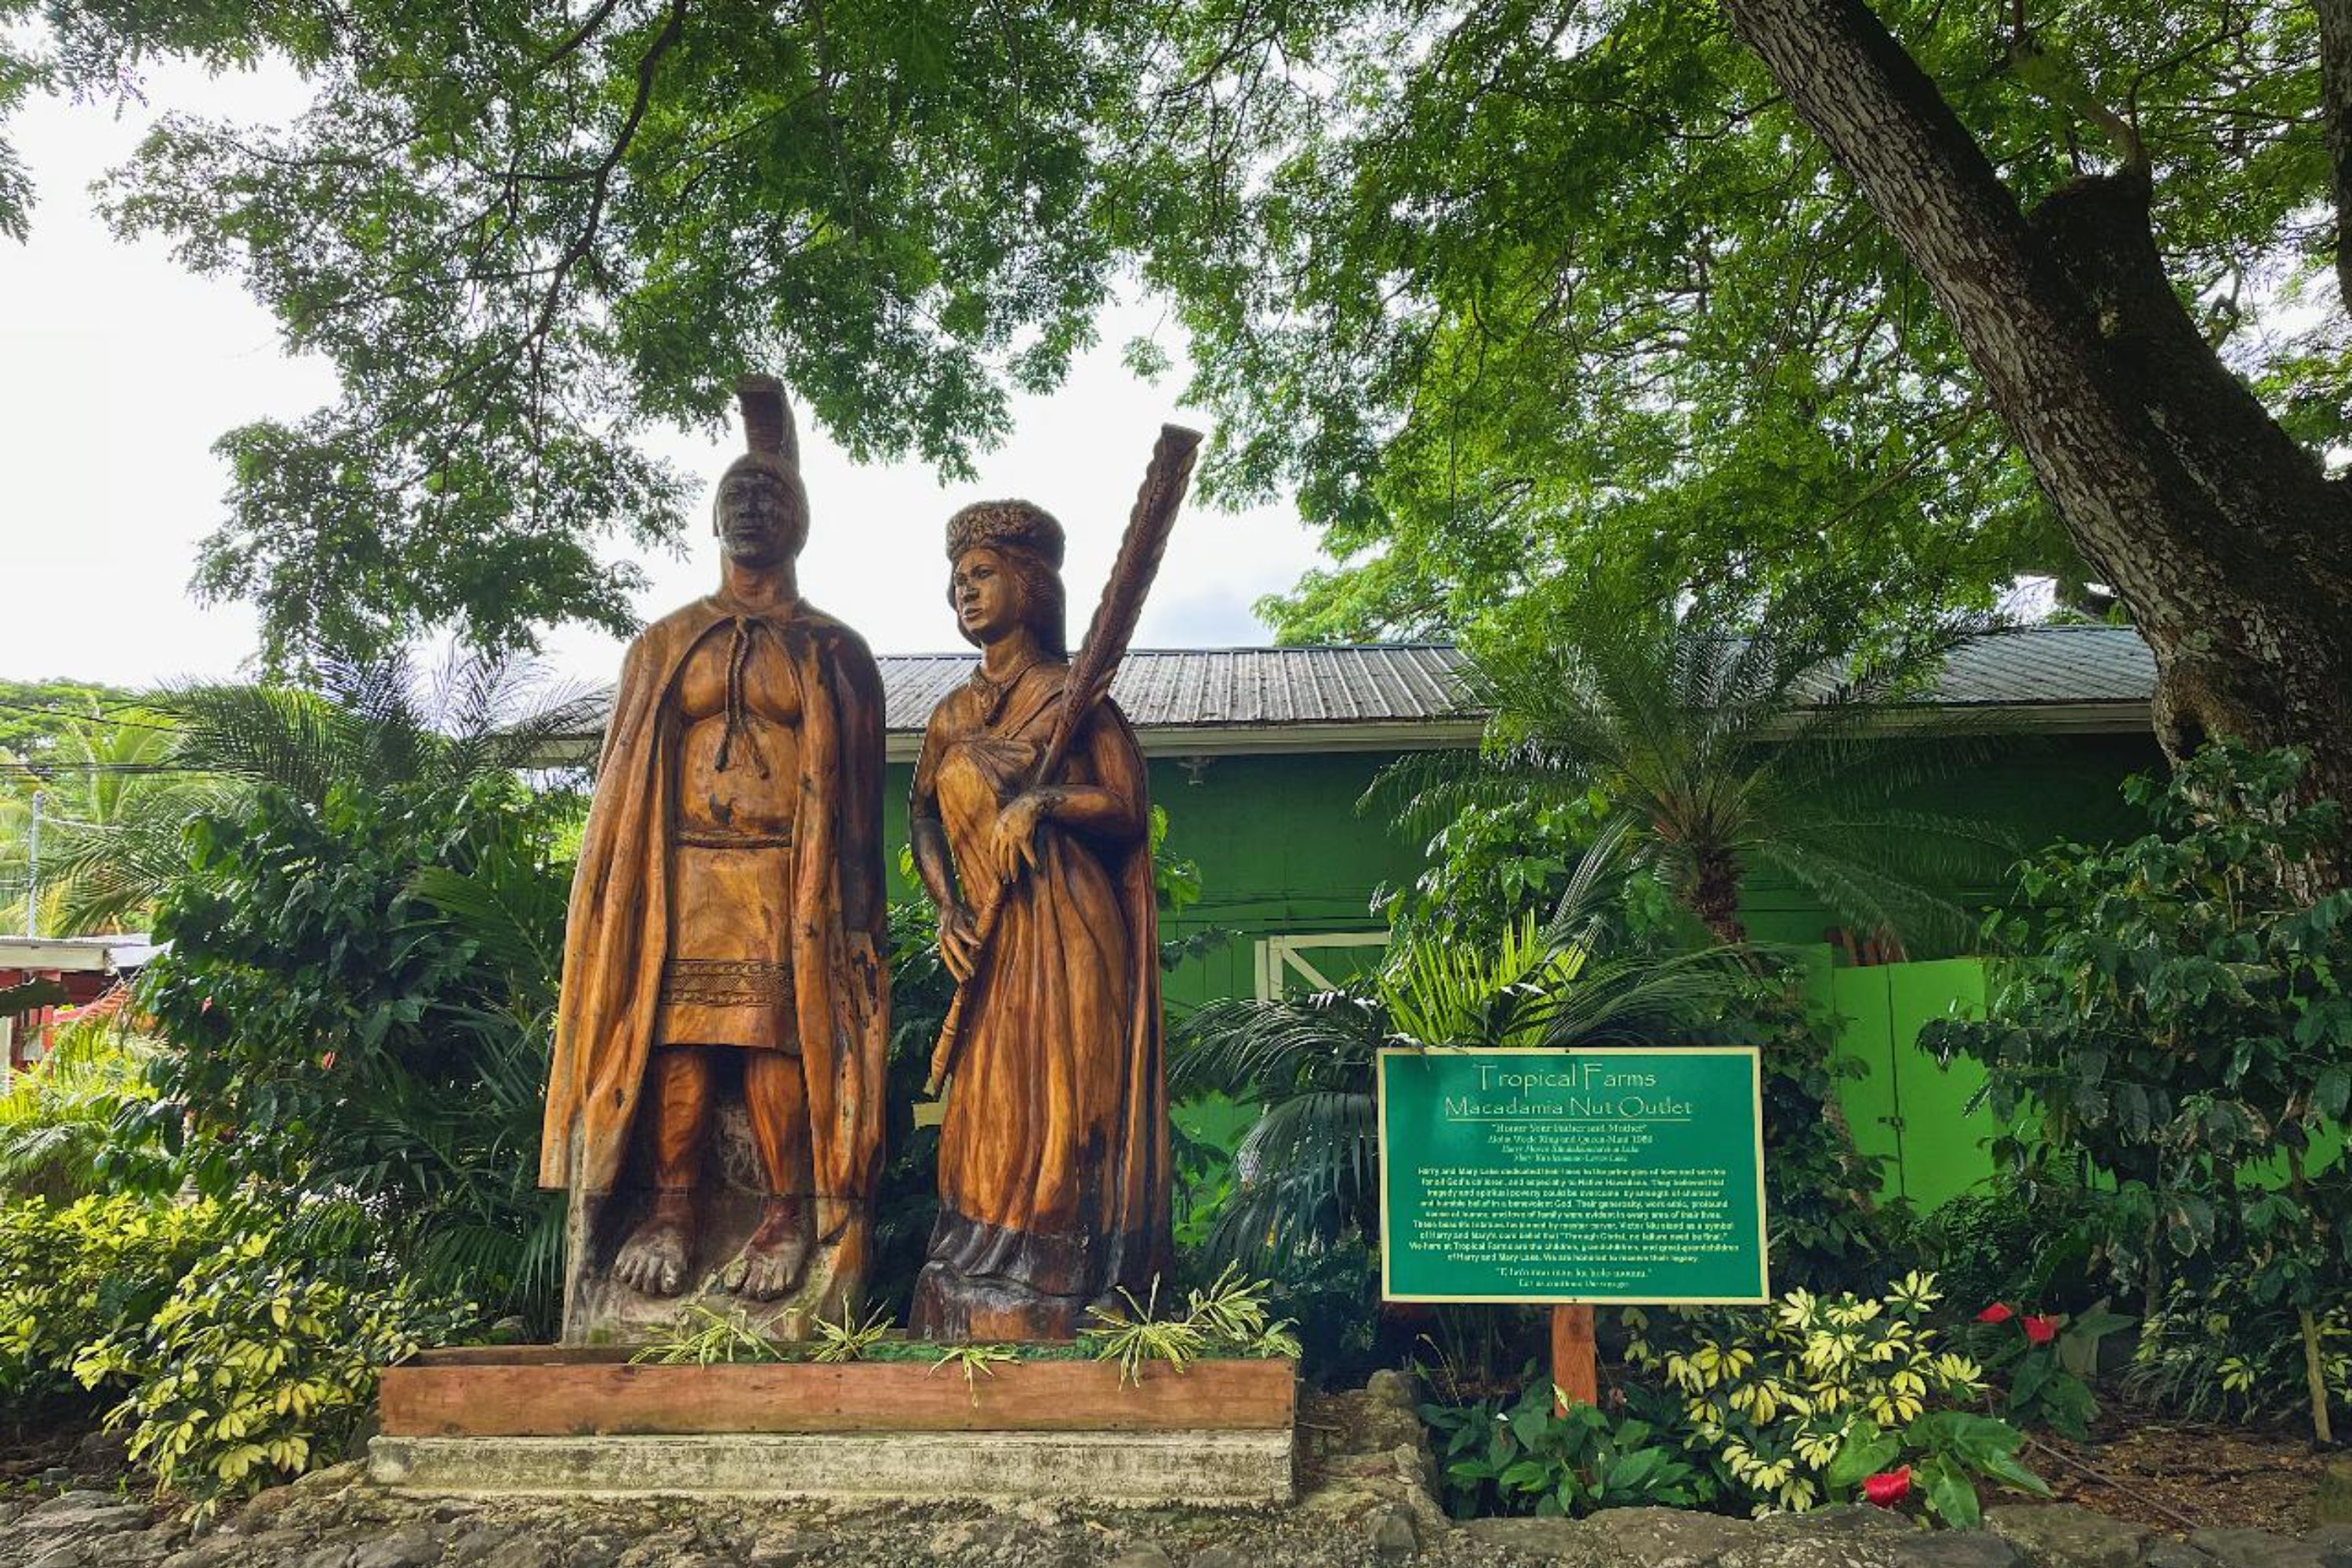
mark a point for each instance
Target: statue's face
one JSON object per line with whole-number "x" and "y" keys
{"x": 761, "y": 518}
{"x": 986, "y": 594}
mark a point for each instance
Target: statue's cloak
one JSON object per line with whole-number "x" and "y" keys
{"x": 617, "y": 933}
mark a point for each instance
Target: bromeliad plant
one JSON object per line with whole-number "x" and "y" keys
{"x": 1804, "y": 1403}
{"x": 1228, "y": 1318}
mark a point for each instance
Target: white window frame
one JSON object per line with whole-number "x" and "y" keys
{"x": 1280, "y": 958}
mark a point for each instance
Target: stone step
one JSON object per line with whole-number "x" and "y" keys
{"x": 1201, "y": 1468}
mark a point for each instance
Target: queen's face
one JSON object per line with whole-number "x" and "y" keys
{"x": 986, "y": 594}
{"x": 759, "y": 519}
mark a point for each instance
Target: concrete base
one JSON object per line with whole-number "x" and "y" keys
{"x": 1207, "y": 1469}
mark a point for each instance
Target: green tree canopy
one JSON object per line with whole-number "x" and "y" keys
{"x": 1514, "y": 295}
{"x": 521, "y": 232}
{"x": 1532, "y": 295}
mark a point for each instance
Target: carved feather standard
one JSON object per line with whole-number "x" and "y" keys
{"x": 1140, "y": 549}
{"x": 768, "y": 418}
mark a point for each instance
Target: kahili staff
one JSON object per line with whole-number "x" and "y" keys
{"x": 1140, "y": 549}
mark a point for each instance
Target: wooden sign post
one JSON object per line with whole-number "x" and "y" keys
{"x": 1575, "y": 1364}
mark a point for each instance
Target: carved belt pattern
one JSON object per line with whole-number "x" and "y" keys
{"x": 733, "y": 839}
{"x": 724, "y": 983}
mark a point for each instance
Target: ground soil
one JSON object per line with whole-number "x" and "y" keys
{"x": 57, "y": 1444}
{"x": 2177, "y": 1476}
{"x": 2171, "y": 1474}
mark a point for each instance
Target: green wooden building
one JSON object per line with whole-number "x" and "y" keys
{"x": 1259, "y": 755}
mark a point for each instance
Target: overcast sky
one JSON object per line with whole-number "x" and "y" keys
{"x": 118, "y": 369}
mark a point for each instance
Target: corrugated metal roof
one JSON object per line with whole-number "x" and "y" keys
{"x": 1404, "y": 694}
{"x": 2047, "y": 666}
{"x": 1389, "y": 683}
{"x": 1386, "y": 683}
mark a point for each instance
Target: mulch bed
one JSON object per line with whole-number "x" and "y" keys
{"x": 2176, "y": 1476}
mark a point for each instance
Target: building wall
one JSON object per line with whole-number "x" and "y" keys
{"x": 2041, "y": 789}
{"x": 1281, "y": 848}
{"x": 1284, "y": 851}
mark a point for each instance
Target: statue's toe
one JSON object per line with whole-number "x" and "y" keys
{"x": 653, "y": 1265}
{"x": 772, "y": 1270}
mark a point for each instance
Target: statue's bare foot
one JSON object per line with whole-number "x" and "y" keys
{"x": 771, "y": 1262}
{"x": 655, "y": 1258}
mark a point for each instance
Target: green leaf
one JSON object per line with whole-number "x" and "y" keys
{"x": 1865, "y": 1452}
{"x": 1952, "y": 1496}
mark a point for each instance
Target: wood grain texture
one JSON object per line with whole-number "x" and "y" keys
{"x": 722, "y": 949}
{"x": 561, "y": 1395}
{"x": 1575, "y": 1362}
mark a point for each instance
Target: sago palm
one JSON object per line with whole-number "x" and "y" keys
{"x": 1720, "y": 753}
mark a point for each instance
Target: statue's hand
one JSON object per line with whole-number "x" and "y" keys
{"x": 1016, "y": 832}
{"x": 959, "y": 940}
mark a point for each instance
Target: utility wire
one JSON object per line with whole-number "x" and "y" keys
{"x": 100, "y": 717}
{"x": 51, "y": 769}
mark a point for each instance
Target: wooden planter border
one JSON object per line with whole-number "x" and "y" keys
{"x": 561, "y": 1392}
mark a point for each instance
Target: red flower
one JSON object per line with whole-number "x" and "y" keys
{"x": 2040, "y": 1329}
{"x": 1998, "y": 1312}
{"x": 1888, "y": 1488}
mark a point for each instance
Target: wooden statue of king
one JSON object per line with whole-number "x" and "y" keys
{"x": 715, "y": 1106}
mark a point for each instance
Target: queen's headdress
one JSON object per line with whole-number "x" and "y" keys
{"x": 1006, "y": 524}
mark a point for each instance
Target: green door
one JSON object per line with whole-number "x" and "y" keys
{"x": 1905, "y": 1107}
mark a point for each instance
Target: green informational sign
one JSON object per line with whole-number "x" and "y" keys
{"x": 1598, "y": 1175}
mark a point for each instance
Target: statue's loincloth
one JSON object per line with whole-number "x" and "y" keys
{"x": 727, "y": 979}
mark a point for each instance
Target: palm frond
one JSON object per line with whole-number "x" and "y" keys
{"x": 1712, "y": 738}
{"x": 1240, "y": 1046}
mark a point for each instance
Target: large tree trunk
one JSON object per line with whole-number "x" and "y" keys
{"x": 2231, "y": 548}
{"x": 2336, "y": 117}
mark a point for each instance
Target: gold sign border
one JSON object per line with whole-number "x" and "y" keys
{"x": 1754, "y": 1056}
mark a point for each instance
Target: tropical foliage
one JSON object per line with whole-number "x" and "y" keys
{"x": 1307, "y": 1169}
{"x": 120, "y": 787}
{"x": 114, "y": 793}
{"x": 1805, "y": 1402}
{"x": 357, "y": 995}
{"x": 2213, "y": 1353}
{"x": 74, "y": 1275}
{"x": 1814, "y": 1400}
{"x": 2185, "y": 1029}
{"x": 262, "y": 1360}
{"x": 58, "y": 1118}
{"x": 1528, "y": 1455}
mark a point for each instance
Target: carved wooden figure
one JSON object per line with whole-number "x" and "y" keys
{"x": 714, "y": 1103}
{"x": 1054, "y": 1155}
